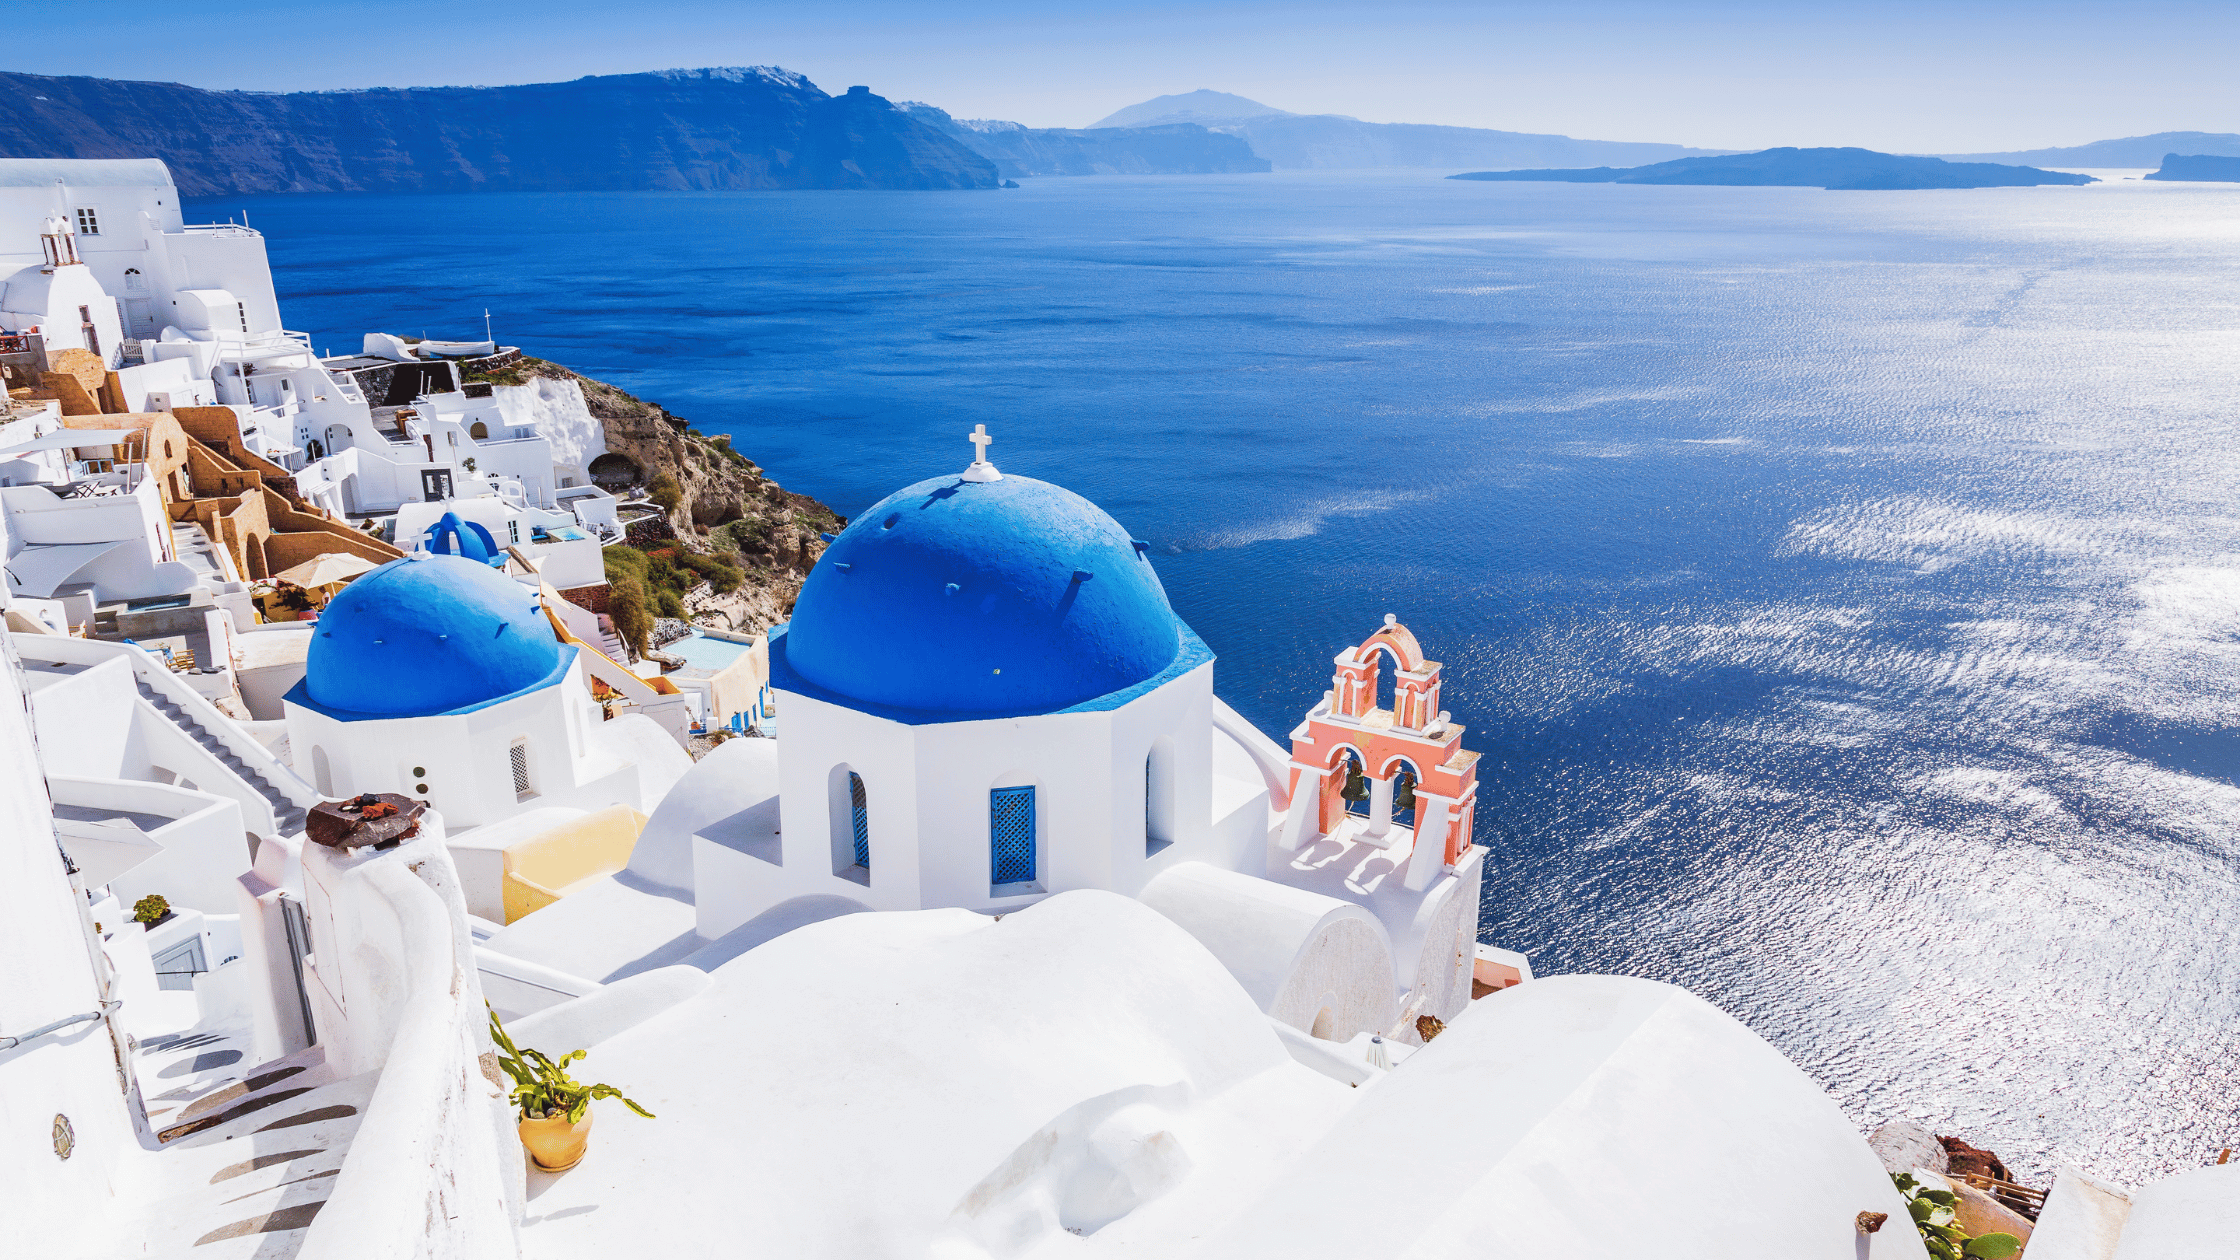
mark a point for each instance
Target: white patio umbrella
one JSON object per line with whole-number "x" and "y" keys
{"x": 325, "y": 569}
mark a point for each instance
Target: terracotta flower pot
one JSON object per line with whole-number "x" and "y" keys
{"x": 553, "y": 1144}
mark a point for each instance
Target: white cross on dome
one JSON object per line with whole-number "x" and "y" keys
{"x": 981, "y": 469}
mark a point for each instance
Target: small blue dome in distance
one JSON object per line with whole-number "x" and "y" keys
{"x": 426, "y": 635}
{"x": 982, "y": 597}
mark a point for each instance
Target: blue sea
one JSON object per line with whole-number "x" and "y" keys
{"x": 1843, "y": 588}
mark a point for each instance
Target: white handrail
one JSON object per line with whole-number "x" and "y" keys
{"x": 1274, "y": 764}
{"x": 401, "y": 1143}
{"x": 222, "y": 728}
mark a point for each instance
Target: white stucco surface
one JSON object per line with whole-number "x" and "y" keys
{"x": 2082, "y": 1220}
{"x": 556, "y": 410}
{"x": 1079, "y": 1073}
{"x": 612, "y": 927}
{"x": 1320, "y": 965}
{"x": 2192, "y": 1214}
{"x": 1583, "y": 1116}
{"x": 583, "y": 1022}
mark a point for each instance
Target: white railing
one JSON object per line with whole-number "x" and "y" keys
{"x": 1273, "y": 762}
{"x": 418, "y": 1178}
{"x": 215, "y": 229}
{"x": 518, "y": 987}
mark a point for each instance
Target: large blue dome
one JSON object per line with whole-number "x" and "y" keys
{"x": 426, "y": 635}
{"x": 956, "y": 596}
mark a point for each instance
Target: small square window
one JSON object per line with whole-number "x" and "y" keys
{"x": 89, "y": 222}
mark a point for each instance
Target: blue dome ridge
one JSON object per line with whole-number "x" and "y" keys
{"x": 1010, "y": 596}
{"x": 427, "y": 635}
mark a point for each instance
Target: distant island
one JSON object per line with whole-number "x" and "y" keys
{"x": 1322, "y": 142}
{"x": 1162, "y": 149}
{"x": 2129, "y": 151}
{"x": 2200, "y": 168}
{"x": 1844, "y": 169}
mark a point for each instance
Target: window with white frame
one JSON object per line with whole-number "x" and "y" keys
{"x": 89, "y": 221}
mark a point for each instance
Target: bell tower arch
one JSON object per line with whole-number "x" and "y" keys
{"x": 1405, "y": 762}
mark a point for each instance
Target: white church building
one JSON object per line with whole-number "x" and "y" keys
{"x": 988, "y": 700}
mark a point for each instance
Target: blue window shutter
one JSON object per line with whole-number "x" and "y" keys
{"x": 1011, "y": 835}
{"x": 861, "y": 808}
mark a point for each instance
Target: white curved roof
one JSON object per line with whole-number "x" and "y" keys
{"x": 730, "y": 790}
{"x": 1256, "y": 927}
{"x": 938, "y": 1083}
{"x": 1589, "y": 1117}
{"x": 84, "y": 172}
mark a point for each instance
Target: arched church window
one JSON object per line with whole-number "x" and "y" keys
{"x": 478, "y": 431}
{"x": 322, "y": 774}
{"x": 1158, "y": 796}
{"x": 849, "y": 818}
{"x": 859, "y": 818}
{"x": 1011, "y": 836}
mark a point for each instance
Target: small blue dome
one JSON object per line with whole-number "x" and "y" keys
{"x": 957, "y": 596}
{"x": 426, "y": 635}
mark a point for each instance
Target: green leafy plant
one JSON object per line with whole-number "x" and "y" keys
{"x": 1935, "y": 1214}
{"x": 542, "y": 1087}
{"x": 150, "y": 909}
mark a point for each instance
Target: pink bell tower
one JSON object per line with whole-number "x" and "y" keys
{"x": 1414, "y": 740}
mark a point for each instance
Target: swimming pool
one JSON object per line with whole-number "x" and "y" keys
{"x": 701, "y": 652}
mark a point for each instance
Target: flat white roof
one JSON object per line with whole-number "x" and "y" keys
{"x": 84, "y": 172}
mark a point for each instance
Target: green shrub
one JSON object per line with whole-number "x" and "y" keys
{"x": 665, "y": 492}
{"x": 668, "y": 603}
{"x": 627, "y": 607}
{"x": 150, "y": 909}
{"x": 1934, "y": 1214}
{"x": 721, "y": 574}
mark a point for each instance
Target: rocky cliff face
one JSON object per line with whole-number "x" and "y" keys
{"x": 1180, "y": 149}
{"x": 727, "y": 506}
{"x": 759, "y": 127}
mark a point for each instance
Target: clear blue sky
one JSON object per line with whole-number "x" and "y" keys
{"x": 1906, "y": 76}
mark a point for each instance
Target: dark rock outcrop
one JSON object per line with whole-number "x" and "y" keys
{"x": 2200, "y": 168}
{"x": 759, "y": 127}
{"x": 1176, "y": 149}
{"x": 1964, "y": 1160}
{"x": 1855, "y": 169}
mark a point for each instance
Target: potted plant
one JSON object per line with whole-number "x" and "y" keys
{"x": 555, "y": 1108}
{"x": 150, "y": 910}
